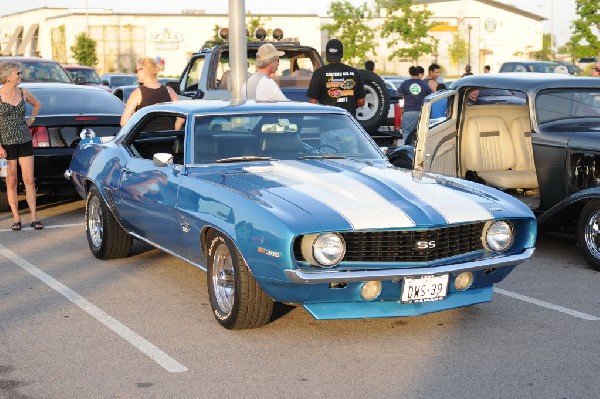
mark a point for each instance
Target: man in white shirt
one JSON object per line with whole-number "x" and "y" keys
{"x": 259, "y": 85}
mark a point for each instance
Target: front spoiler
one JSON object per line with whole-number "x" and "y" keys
{"x": 383, "y": 309}
{"x": 300, "y": 277}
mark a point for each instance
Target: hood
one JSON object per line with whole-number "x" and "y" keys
{"x": 354, "y": 195}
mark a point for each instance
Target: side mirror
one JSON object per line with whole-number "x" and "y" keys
{"x": 198, "y": 95}
{"x": 162, "y": 159}
{"x": 106, "y": 83}
{"x": 174, "y": 86}
{"x": 80, "y": 80}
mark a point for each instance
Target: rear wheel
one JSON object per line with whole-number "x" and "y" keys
{"x": 377, "y": 102}
{"x": 236, "y": 299}
{"x": 106, "y": 238}
{"x": 588, "y": 233}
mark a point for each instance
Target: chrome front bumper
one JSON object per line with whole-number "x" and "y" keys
{"x": 300, "y": 277}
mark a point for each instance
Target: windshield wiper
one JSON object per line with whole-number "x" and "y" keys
{"x": 243, "y": 159}
{"x": 322, "y": 156}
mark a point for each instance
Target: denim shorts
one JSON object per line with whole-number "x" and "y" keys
{"x": 16, "y": 151}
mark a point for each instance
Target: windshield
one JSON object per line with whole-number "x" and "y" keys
{"x": 125, "y": 80}
{"x": 227, "y": 138}
{"x": 43, "y": 72}
{"x": 295, "y": 68}
{"x": 90, "y": 75}
{"x": 553, "y": 105}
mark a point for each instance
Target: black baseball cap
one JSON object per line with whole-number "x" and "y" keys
{"x": 334, "y": 50}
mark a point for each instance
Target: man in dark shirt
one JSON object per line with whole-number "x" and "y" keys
{"x": 337, "y": 84}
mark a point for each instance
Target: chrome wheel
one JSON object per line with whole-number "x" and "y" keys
{"x": 591, "y": 233}
{"x": 223, "y": 276}
{"x": 95, "y": 220}
{"x": 371, "y": 107}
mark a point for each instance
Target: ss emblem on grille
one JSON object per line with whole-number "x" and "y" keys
{"x": 425, "y": 244}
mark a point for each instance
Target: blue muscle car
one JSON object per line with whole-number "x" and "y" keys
{"x": 293, "y": 202}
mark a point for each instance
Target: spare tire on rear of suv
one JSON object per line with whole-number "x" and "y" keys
{"x": 377, "y": 102}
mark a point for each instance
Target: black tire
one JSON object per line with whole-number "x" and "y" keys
{"x": 4, "y": 206}
{"x": 106, "y": 237}
{"x": 588, "y": 233}
{"x": 377, "y": 102}
{"x": 236, "y": 299}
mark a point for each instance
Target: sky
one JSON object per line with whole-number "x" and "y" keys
{"x": 560, "y": 13}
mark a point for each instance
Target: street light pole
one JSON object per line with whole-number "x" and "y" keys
{"x": 469, "y": 55}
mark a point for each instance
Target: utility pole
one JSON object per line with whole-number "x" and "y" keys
{"x": 469, "y": 55}
{"x": 238, "y": 53}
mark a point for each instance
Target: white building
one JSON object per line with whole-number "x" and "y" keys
{"x": 496, "y": 32}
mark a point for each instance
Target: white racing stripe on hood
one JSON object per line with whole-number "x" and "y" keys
{"x": 359, "y": 204}
{"x": 451, "y": 204}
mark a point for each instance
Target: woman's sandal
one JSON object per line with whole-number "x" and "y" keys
{"x": 36, "y": 224}
{"x": 16, "y": 226}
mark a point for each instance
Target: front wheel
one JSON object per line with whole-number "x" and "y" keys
{"x": 106, "y": 238}
{"x": 236, "y": 299}
{"x": 588, "y": 233}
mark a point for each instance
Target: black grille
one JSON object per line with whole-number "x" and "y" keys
{"x": 403, "y": 246}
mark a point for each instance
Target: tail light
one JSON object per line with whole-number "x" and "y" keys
{"x": 40, "y": 136}
{"x": 397, "y": 117}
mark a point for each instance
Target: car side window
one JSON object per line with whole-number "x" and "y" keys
{"x": 157, "y": 134}
{"x": 194, "y": 75}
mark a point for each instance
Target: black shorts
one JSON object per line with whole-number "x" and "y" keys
{"x": 16, "y": 151}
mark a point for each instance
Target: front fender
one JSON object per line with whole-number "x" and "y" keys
{"x": 569, "y": 208}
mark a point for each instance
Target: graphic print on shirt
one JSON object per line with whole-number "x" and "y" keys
{"x": 415, "y": 89}
{"x": 340, "y": 85}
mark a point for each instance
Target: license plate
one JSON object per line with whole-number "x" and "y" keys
{"x": 425, "y": 289}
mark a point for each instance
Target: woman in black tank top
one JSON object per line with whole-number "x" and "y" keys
{"x": 150, "y": 92}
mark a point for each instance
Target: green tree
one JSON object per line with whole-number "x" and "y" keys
{"x": 84, "y": 50}
{"x": 410, "y": 25}
{"x": 545, "y": 54}
{"x": 585, "y": 29}
{"x": 349, "y": 25}
{"x": 458, "y": 50}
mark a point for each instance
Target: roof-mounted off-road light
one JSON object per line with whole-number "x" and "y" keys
{"x": 224, "y": 33}
{"x": 277, "y": 34}
{"x": 260, "y": 34}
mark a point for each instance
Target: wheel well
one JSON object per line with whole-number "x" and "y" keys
{"x": 567, "y": 216}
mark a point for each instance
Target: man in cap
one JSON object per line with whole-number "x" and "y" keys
{"x": 259, "y": 85}
{"x": 336, "y": 83}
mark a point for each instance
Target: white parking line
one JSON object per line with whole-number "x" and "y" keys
{"x": 53, "y": 226}
{"x": 547, "y": 305}
{"x": 154, "y": 353}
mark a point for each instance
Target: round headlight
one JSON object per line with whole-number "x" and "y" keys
{"x": 499, "y": 235}
{"x": 328, "y": 249}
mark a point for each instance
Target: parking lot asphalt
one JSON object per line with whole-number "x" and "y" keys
{"x": 75, "y": 326}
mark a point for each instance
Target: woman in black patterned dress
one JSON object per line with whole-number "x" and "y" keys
{"x": 16, "y": 141}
